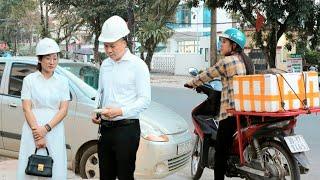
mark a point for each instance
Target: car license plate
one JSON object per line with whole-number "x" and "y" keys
{"x": 183, "y": 148}
{"x": 296, "y": 143}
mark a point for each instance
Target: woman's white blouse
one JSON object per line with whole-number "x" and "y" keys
{"x": 45, "y": 93}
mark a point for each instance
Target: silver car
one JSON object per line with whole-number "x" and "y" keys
{"x": 165, "y": 143}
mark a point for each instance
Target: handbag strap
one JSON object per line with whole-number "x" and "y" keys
{"x": 35, "y": 152}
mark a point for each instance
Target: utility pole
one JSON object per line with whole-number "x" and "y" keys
{"x": 213, "y": 37}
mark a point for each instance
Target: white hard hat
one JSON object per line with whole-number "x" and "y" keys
{"x": 47, "y": 46}
{"x": 113, "y": 29}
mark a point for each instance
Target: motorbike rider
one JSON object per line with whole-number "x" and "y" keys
{"x": 234, "y": 62}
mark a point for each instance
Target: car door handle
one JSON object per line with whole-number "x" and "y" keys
{"x": 13, "y": 105}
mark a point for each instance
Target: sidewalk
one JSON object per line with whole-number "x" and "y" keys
{"x": 8, "y": 166}
{"x": 168, "y": 80}
{"x": 8, "y": 170}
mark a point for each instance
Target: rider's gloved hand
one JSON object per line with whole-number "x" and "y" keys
{"x": 188, "y": 86}
{"x": 198, "y": 89}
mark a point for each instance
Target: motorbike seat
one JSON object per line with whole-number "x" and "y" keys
{"x": 207, "y": 124}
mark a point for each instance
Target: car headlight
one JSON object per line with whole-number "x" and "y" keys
{"x": 151, "y": 133}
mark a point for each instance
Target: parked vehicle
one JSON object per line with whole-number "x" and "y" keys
{"x": 156, "y": 157}
{"x": 85, "y": 71}
{"x": 266, "y": 149}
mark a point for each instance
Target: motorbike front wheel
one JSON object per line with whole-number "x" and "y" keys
{"x": 196, "y": 167}
{"x": 279, "y": 161}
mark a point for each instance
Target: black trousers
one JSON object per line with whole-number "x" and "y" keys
{"x": 117, "y": 148}
{"x": 227, "y": 128}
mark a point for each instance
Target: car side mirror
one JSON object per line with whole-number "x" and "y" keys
{"x": 193, "y": 71}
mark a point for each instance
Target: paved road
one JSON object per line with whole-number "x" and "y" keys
{"x": 183, "y": 100}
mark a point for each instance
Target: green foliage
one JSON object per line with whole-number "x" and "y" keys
{"x": 281, "y": 17}
{"x": 18, "y": 21}
{"x": 312, "y": 57}
{"x": 152, "y": 33}
{"x": 312, "y": 28}
{"x": 92, "y": 13}
{"x": 152, "y": 16}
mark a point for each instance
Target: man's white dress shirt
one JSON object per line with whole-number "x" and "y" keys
{"x": 125, "y": 84}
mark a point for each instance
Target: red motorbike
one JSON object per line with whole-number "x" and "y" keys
{"x": 264, "y": 146}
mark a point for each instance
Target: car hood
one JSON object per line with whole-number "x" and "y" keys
{"x": 168, "y": 121}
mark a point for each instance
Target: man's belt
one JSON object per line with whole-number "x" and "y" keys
{"x": 118, "y": 123}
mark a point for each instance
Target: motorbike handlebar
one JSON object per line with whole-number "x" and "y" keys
{"x": 187, "y": 86}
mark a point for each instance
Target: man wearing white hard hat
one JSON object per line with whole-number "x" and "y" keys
{"x": 45, "y": 96}
{"x": 124, "y": 92}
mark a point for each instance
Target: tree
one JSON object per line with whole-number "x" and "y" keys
{"x": 150, "y": 34}
{"x": 281, "y": 16}
{"x": 312, "y": 57}
{"x": 93, "y": 13}
{"x": 213, "y": 33}
{"x": 310, "y": 31}
{"x": 18, "y": 21}
{"x": 152, "y": 16}
{"x": 67, "y": 23}
{"x": 44, "y": 20}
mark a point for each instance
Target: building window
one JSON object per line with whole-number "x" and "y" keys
{"x": 183, "y": 16}
{"x": 206, "y": 55}
{"x": 206, "y": 17}
{"x": 188, "y": 46}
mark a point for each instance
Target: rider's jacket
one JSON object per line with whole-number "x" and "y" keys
{"x": 225, "y": 68}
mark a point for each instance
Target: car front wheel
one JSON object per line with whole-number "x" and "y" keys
{"x": 89, "y": 163}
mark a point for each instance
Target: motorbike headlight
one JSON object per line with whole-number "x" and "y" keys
{"x": 151, "y": 133}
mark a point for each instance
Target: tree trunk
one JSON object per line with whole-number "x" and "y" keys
{"x": 67, "y": 48}
{"x": 213, "y": 38}
{"x": 15, "y": 44}
{"x": 96, "y": 50}
{"x": 42, "y": 23}
{"x": 149, "y": 57}
{"x": 142, "y": 55}
{"x": 272, "y": 48}
{"x": 130, "y": 25}
{"x": 47, "y": 34}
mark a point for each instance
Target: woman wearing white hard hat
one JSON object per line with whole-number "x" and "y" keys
{"x": 45, "y": 96}
{"x": 124, "y": 92}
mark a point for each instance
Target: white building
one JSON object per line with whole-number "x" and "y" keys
{"x": 190, "y": 44}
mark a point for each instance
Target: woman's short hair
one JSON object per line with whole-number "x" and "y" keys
{"x": 39, "y": 67}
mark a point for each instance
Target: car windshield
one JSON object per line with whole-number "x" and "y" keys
{"x": 83, "y": 87}
{"x": 88, "y": 73}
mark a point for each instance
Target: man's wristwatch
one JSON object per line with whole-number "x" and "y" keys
{"x": 47, "y": 126}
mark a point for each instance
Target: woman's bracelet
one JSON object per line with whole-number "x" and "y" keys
{"x": 47, "y": 126}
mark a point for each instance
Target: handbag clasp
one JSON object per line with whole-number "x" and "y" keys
{"x": 40, "y": 167}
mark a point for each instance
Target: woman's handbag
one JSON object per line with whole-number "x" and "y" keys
{"x": 39, "y": 165}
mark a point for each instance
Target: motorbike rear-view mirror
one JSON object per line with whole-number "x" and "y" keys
{"x": 193, "y": 71}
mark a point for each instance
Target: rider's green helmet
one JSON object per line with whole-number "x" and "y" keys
{"x": 235, "y": 35}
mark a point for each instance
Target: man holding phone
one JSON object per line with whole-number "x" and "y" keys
{"x": 125, "y": 81}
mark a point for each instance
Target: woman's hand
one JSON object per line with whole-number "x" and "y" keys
{"x": 41, "y": 143}
{"x": 39, "y": 132}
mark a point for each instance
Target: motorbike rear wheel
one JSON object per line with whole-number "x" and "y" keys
{"x": 196, "y": 157}
{"x": 279, "y": 161}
